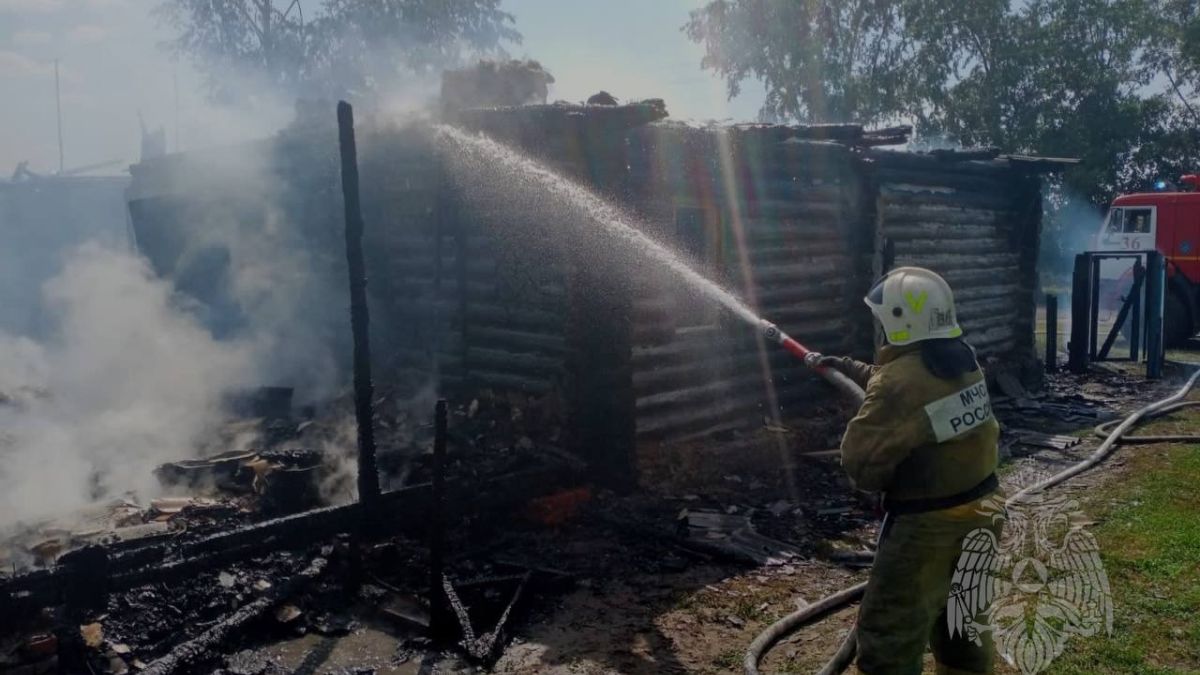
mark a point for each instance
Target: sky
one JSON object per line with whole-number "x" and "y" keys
{"x": 112, "y": 69}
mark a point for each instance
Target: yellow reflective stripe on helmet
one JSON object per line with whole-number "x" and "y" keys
{"x": 898, "y": 336}
{"x": 957, "y": 332}
{"x": 918, "y": 302}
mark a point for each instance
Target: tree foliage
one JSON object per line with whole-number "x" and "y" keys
{"x": 822, "y": 60}
{"x": 1083, "y": 78}
{"x": 331, "y": 48}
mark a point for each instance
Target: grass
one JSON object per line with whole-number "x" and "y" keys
{"x": 730, "y": 660}
{"x": 1150, "y": 544}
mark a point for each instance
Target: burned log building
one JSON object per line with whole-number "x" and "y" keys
{"x": 797, "y": 220}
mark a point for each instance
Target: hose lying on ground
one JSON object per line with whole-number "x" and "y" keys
{"x": 1105, "y": 429}
{"x": 845, "y": 654}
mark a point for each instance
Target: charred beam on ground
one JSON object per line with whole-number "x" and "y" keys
{"x": 164, "y": 562}
{"x": 208, "y": 643}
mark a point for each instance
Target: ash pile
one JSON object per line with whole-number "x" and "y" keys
{"x": 271, "y": 460}
{"x": 260, "y": 539}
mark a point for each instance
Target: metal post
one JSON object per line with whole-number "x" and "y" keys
{"x": 1135, "y": 328}
{"x": 1051, "y": 333}
{"x": 441, "y": 618}
{"x": 1156, "y": 286}
{"x": 1094, "y": 314}
{"x": 1081, "y": 302}
{"x": 364, "y": 391}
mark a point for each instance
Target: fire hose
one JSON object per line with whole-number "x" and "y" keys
{"x": 841, "y": 660}
{"x": 1105, "y": 429}
{"x": 835, "y": 377}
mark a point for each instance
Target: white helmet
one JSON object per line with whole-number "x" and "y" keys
{"x": 913, "y": 304}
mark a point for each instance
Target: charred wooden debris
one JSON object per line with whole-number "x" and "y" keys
{"x": 170, "y": 586}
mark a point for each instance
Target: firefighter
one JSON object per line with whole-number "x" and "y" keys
{"x": 925, "y": 438}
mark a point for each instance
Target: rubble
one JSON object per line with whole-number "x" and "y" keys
{"x": 207, "y": 579}
{"x": 1038, "y": 439}
{"x": 734, "y": 534}
{"x": 203, "y": 646}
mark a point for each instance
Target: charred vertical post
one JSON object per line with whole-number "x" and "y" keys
{"x": 368, "y": 472}
{"x": 1081, "y": 303}
{"x": 441, "y": 620}
{"x": 888, "y": 256}
{"x": 87, "y": 578}
{"x": 601, "y": 408}
{"x": 1051, "y": 333}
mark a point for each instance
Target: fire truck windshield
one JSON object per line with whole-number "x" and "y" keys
{"x": 1129, "y": 221}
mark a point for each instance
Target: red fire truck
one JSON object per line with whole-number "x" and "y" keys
{"x": 1167, "y": 220}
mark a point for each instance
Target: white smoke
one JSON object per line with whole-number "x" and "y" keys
{"x": 132, "y": 370}
{"x": 277, "y": 287}
{"x": 1070, "y": 223}
{"x": 127, "y": 380}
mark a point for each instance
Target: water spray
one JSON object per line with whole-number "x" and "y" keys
{"x": 622, "y": 230}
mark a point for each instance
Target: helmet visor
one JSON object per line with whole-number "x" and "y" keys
{"x": 875, "y": 297}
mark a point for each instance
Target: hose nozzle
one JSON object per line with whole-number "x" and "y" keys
{"x": 771, "y": 332}
{"x": 812, "y": 360}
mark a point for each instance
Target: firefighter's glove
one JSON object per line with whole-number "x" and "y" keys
{"x": 815, "y": 361}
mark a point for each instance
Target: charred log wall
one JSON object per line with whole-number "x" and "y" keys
{"x": 779, "y": 223}
{"x": 977, "y": 223}
{"x": 412, "y": 258}
{"x": 796, "y": 226}
{"x": 800, "y": 229}
{"x": 593, "y": 321}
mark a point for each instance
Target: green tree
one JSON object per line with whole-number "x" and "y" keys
{"x": 822, "y": 60}
{"x": 1054, "y": 77}
{"x": 332, "y": 48}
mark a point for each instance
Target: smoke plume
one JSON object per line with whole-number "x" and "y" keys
{"x": 1070, "y": 225}
{"x": 127, "y": 380}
